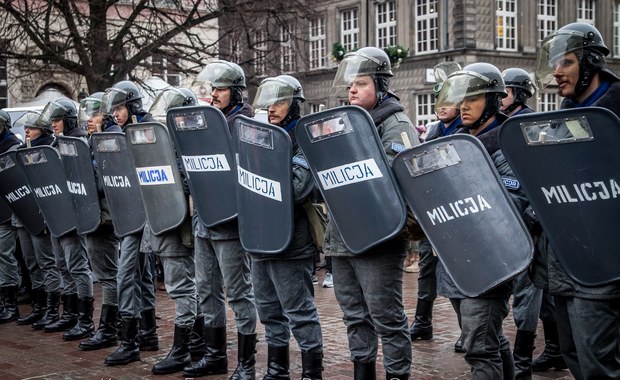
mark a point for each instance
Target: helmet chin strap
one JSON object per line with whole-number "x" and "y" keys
{"x": 490, "y": 109}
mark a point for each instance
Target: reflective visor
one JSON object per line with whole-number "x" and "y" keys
{"x": 52, "y": 111}
{"x": 272, "y": 91}
{"x": 458, "y": 86}
{"x": 355, "y": 65}
{"x": 112, "y": 98}
{"x": 168, "y": 98}
{"x": 89, "y": 107}
{"x": 218, "y": 74}
{"x": 553, "y": 51}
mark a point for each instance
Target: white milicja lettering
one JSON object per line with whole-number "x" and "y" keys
{"x": 582, "y": 192}
{"x": 207, "y": 163}
{"x": 76, "y": 188}
{"x": 260, "y": 185}
{"x": 17, "y": 194}
{"x": 47, "y": 191}
{"x": 155, "y": 175}
{"x": 349, "y": 173}
{"x": 458, "y": 209}
{"x": 116, "y": 181}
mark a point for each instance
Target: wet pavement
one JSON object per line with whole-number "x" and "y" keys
{"x": 29, "y": 354}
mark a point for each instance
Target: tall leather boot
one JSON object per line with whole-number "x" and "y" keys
{"x": 10, "y": 312}
{"x": 85, "y": 325}
{"x": 197, "y": 346}
{"x": 246, "y": 357}
{"x": 551, "y": 356}
{"x": 129, "y": 350}
{"x": 364, "y": 371}
{"x": 147, "y": 337}
{"x": 38, "y": 298}
{"x": 522, "y": 354}
{"x": 51, "y": 311}
{"x": 277, "y": 363}
{"x": 312, "y": 365}
{"x": 106, "y": 335}
{"x": 422, "y": 326}
{"x": 214, "y": 361}
{"x": 179, "y": 355}
{"x": 69, "y": 315}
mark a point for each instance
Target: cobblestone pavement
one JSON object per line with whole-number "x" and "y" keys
{"x": 29, "y": 354}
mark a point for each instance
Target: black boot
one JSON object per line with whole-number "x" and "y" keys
{"x": 312, "y": 365}
{"x": 129, "y": 350}
{"x": 214, "y": 361}
{"x": 277, "y": 363}
{"x": 458, "y": 346}
{"x": 85, "y": 325}
{"x": 147, "y": 337}
{"x": 246, "y": 358}
{"x": 422, "y": 326}
{"x": 551, "y": 356}
{"x": 197, "y": 347}
{"x": 10, "y": 312}
{"x": 106, "y": 335}
{"x": 364, "y": 371}
{"x": 179, "y": 356}
{"x": 69, "y": 315}
{"x": 390, "y": 376}
{"x": 39, "y": 298}
{"x": 522, "y": 354}
{"x": 51, "y": 311}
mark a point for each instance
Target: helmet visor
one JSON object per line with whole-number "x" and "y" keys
{"x": 355, "y": 65}
{"x": 553, "y": 51}
{"x": 218, "y": 75}
{"x": 459, "y": 86}
{"x": 112, "y": 98}
{"x": 272, "y": 91}
{"x": 89, "y": 107}
{"x": 168, "y": 98}
{"x": 27, "y": 120}
{"x": 52, "y": 111}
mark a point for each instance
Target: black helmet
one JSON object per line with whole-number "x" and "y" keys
{"x": 89, "y": 106}
{"x": 5, "y": 121}
{"x": 122, "y": 93}
{"x": 170, "y": 98}
{"x": 280, "y": 88}
{"x": 64, "y": 109}
{"x": 580, "y": 38}
{"x": 519, "y": 79}
{"x": 31, "y": 119}
{"x": 474, "y": 79}
{"x": 222, "y": 74}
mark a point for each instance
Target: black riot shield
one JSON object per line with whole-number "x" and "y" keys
{"x": 568, "y": 162}
{"x": 349, "y": 164}
{"x": 78, "y": 167}
{"x": 203, "y": 142}
{"x": 456, "y": 195}
{"x": 264, "y": 185}
{"x": 5, "y": 212}
{"x": 16, "y": 191}
{"x": 43, "y": 168}
{"x": 158, "y": 173}
{"x": 120, "y": 182}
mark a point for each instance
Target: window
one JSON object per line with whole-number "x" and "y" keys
{"x": 317, "y": 107}
{"x": 506, "y": 27}
{"x": 616, "y": 42}
{"x": 343, "y": 102}
{"x": 425, "y": 112}
{"x": 386, "y": 24}
{"x": 426, "y": 30}
{"x": 317, "y": 43}
{"x": 4, "y": 83}
{"x": 586, "y": 10}
{"x": 234, "y": 48}
{"x": 548, "y": 102}
{"x": 260, "y": 53}
{"x": 547, "y": 18}
{"x": 167, "y": 69}
{"x": 287, "y": 58}
{"x": 350, "y": 29}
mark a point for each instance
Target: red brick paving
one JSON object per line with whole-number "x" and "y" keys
{"x": 30, "y": 354}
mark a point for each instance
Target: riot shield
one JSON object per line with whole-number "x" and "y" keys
{"x": 349, "y": 164}
{"x": 264, "y": 185}
{"x": 78, "y": 166}
{"x": 203, "y": 141}
{"x": 120, "y": 182}
{"x": 5, "y": 212}
{"x": 17, "y": 193}
{"x": 44, "y": 171}
{"x": 567, "y": 162}
{"x": 456, "y": 195}
{"x": 158, "y": 173}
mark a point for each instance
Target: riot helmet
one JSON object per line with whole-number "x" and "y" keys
{"x": 521, "y": 84}
{"x": 170, "y": 98}
{"x": 222, "y": 74}
{"x": 580, "y": 38}
{"x": 5, "y": 121}
{"x": 475, "y": 79}
{"x": 122, "y": 93}
{"x": 370, "y": 61}
{"x": 61, "y": 109}
{"x": 283, "y": 88}
{"x": 90, "y": 106}
{"x": 31, "y": 119}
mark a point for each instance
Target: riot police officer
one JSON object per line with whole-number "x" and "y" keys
{"x": 222, "y": 266}
{"x": 369, "y": 286}
{"x": 282, "y": 282}
{"x": 587, "y": 316}
{"x": 479, "y": 88}
{"x": 135, "y": 277}
{"x": 520, "y": 88}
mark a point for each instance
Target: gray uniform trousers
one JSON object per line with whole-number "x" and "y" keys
{"x": 46, "y": 259}
{"x": 37, "y": 279}
{"x": 135, "y": 278}
{"x": 526, "y": 303}
{"x": 9, "y": 269}
{"x": 179, "y": 277}
{"x": 67, "y": 283}
{"x": 76, "y": 259}
{"x": 103, "y": 251}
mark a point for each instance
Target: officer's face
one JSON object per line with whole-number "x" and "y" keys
{"x": 58, "y": 125}
{"x": 121, "y": 114}
{"x": 33, "y": 133}
{"x": 94, "y": 123}
{"x": 362, "y": 92}
{"x": 278, "y": 111}
{"x": 220, "y": 97}
{"x": 472, "y": 108}
{"x": 447, "y": 113}
{"x": 566, "y": 74}
{"x": 507, "y": 101}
